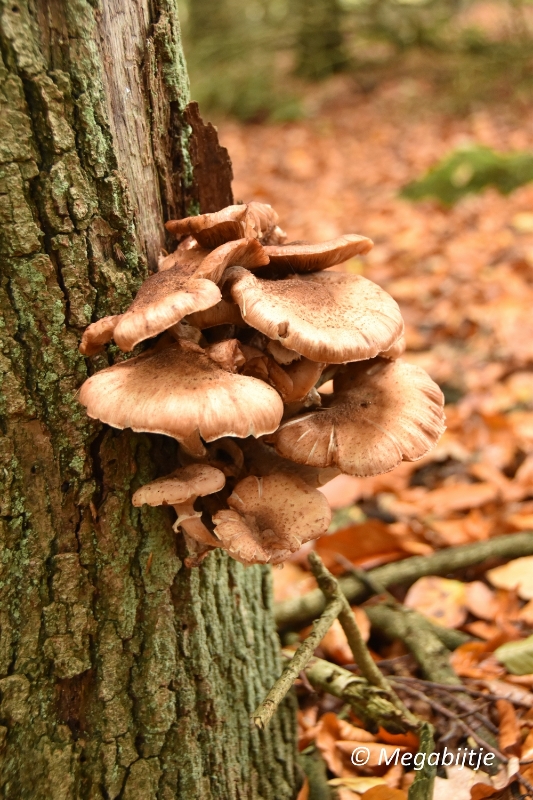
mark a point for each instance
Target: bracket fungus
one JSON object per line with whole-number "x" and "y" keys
{"x": 248, "y": 328}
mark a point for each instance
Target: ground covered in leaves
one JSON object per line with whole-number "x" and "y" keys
{"x": 463, "y": 276}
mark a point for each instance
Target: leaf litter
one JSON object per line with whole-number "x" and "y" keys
{"x": 463, "y": 276}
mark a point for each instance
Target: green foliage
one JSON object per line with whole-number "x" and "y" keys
{"x": 470, "y": 170}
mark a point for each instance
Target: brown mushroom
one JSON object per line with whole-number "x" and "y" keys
{"x": 163, "y": 300}
{"x": 396, "y": 350}
{"x": 329, "y": 316}
{"x": 227, "y": 353}
{"x": 180, "y": 489}
{"x": 270, "y": 518}
{"x": 261, "y": 459}
{"x": 254, "y": 220}
{"x": 181, "y": 392}
{"x": 97, "y": 334}
{"x": 241, "y": 252}
{"x": 223, "y": 313}
{"x": 187, "y": 258}
{"x": 381, "y": 413}
{"x": 289, "y": 258}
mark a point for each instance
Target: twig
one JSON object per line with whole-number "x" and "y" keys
{"x": 398, "y": 622}
{"x": 265, "y": 711}
{"x": 462, "y": 724}
{"x": 459, "y": 701}
{"x": 297, "y": 612}
{"x": 330, "y": 587}
{"x": 367, "y": 702}
{"x": 462, "y": 688}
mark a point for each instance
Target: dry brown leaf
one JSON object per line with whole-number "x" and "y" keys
{"x": 440, "y": 599}
{"x": 359, "y": 544}
{"x": 384, "y": 793}
{"x": 481, "y": 601}
{"x": 291, "y": 581}
{"x": 303, "y": 794}
{"x": 375, "y": 750}
{"x": 335, "y": 644}
{"x": 509, "y": 728}
{"x": 516, "y": 574}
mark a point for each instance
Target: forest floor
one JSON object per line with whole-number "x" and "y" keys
{"x": 464, "y": 280}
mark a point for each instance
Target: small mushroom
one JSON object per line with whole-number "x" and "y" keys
{"x": 180, "y": 489}
{"x": 304, "y": 375}
{"x": 381, "y": 413}
{"x": 241, "y": 252}
{"x": 270, "y": 518}
{"x": 282, "y": 354}
{"x": 192, "y": 481}
{"x": 97, "y": 334}
{"x": 181, "y": 392}
{"x": 163, "y": 300}
{"x": 329, "y": 316}
{"x": 289, "y": 258}
{"x": 254, "y": 220}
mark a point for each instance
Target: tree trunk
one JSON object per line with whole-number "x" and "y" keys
{"x": 122, "y": 673}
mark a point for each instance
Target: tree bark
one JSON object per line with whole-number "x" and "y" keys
{"x": 122, "y": 673}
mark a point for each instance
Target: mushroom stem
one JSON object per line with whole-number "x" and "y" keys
{"x": 191, "y": 522}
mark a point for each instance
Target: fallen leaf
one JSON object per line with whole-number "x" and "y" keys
{"x": 481, "y": 601}
{"x": 303, "y": 794}
{"x": 384, "y": 793}
{"x": 509, "y": 729}
{"x": 517, "y": 657}
{"x": 358, "y": 544}
{"x": 291, "y": 581}
{"x": 458, "y": 783}
{"x": 517, "y": 574}
{"x": 526, "y": 614}
{"x": 335, "y": 644}
{"x": 440, "y": 599}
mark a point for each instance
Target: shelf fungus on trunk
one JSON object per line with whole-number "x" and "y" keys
{"x": 248, "y": 329}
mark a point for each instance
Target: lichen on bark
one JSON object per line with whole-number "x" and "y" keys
{"x": 122, "y": 673}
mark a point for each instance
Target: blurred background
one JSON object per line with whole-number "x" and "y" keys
{"x": 409, "y": 121}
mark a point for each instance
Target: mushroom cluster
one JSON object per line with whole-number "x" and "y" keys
{"x": 273, "y": 375}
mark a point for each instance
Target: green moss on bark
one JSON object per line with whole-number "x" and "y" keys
{"x": 122, "y": 674}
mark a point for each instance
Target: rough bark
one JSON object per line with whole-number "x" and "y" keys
{"x": 122, "y": 673}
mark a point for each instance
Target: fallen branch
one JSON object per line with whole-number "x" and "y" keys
{"x": 297, "y": 612}
{"x": 415, "y": 631}
{"x": 265, "y": 711}
{"x": 369, "y": 670}
{"x": 368, "y": 703}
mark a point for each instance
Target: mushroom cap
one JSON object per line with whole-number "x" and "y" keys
{"x": 195, "y": 480}
{"x": 97, "y": 334}
{"x": 253, "y": 220}
{"x": 381, "y": 413}
{"x": 396, "y": 350}
{"x": 187, "y": 258}
{"x": 242, "y": 252}
{"x": 223, "y": 313}
{"x": 181, "y": 392}
{"x": 272, "y": 517}
{"x": 330, "y": 316}
{"x": 306, "y": 257}
{"x": 263, "y": 460}
{"x": 163, "y": 299}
